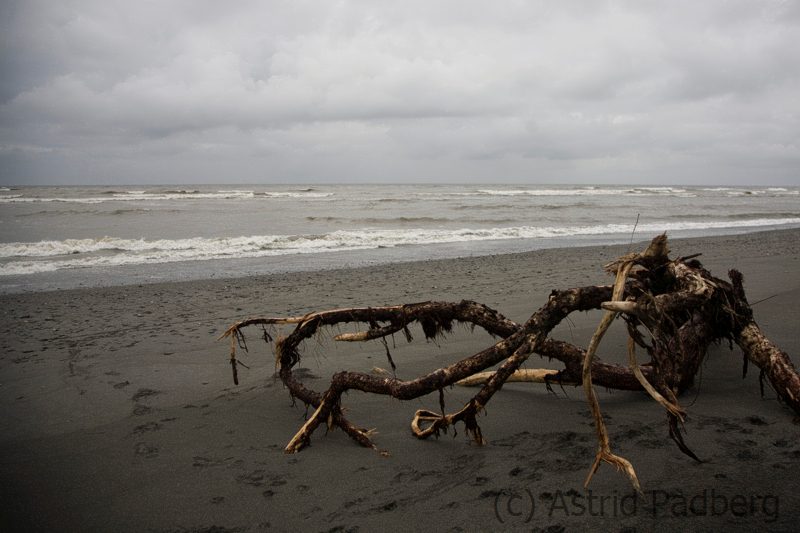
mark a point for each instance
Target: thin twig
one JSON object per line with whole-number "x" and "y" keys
{"x": 632, "y": 233}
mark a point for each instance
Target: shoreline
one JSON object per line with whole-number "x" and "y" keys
{"x": 119, "y": 402}
{"x": 243, "y": 268}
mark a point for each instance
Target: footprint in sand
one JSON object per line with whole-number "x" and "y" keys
{"x": 140, "y": 410}
{"x": 254, "y": 478}
{"x": 143, "y": 394}
{"x": 145, "y": 428}
{"x": 205, "y": 462}
{"x": 142, "y": 449}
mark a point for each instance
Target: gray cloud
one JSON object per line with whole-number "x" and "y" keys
{"x": 106, "y": 91}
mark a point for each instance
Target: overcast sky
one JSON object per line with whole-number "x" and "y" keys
{"x": 107, "y": 91}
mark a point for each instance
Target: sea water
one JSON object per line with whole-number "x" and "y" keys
{"x": 62, "y": 237}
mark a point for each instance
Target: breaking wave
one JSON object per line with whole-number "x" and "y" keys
{"x": 138, "y": 196}
{"x": 32, "y": 257}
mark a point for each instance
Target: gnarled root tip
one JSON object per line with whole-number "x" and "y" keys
{"x": 302, "y": 438}
{"x": 332, "y": 417}
{"x": 439, "y": 423}
{"x": 298, "y": 442}
{"x": 620, "y": 463}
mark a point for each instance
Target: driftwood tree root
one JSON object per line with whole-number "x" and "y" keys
{"x": 678, "y": 304}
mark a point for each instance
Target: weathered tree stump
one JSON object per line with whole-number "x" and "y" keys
{"x": 673, "y": 309}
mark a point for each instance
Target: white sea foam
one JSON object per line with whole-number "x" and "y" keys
{"x": 301, "y": 194}
{"x": 138, "y": 196}
{"x": 286, "y": 221}
{"x": 27, "y": 258}
{"x": 20, "y": 199}
{"x": 590, "y": 191}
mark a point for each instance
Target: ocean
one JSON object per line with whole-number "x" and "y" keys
{"x": 66, "y": 237}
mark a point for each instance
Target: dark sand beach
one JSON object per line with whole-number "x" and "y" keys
{"x": 119, "y": 411}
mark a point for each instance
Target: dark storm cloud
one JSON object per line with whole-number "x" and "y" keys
{"x": 368, "y": 91}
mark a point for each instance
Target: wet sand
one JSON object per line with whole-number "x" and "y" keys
{"x": 119, "y": 412}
